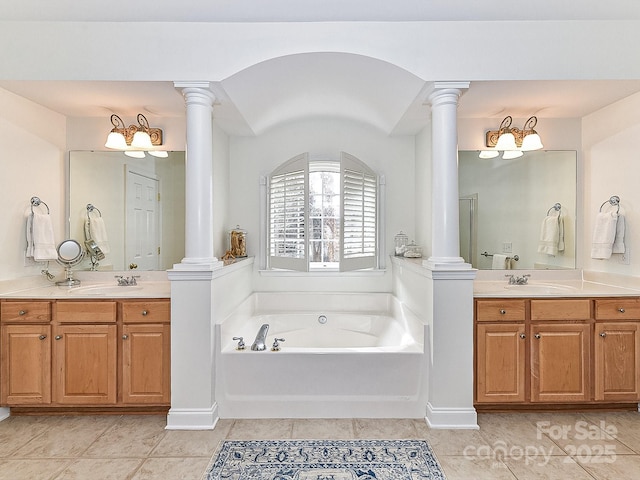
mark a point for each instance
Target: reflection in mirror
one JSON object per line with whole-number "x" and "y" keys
{"x": 137, "y": 208}
{"x": 70, "y": 254}
{"x": 503, "y": 204}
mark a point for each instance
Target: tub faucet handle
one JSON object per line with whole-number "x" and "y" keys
{"x": 240, "y": 343}
{"x": 276, "y": 346}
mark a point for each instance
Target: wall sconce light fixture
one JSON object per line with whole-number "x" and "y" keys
{"x": 512, "y": 141}
{"x": 134, "y": 140}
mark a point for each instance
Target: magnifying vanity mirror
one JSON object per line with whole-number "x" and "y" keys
{"x": 504, "y": 202}
{"x": 140, "y": 204}
{"x": 70, "y": 254}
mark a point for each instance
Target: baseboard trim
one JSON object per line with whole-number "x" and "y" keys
{"x": 451, "y": 418}
{"x": 192, "y": 418}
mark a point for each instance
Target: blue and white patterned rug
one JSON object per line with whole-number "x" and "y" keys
{"x": 324, "y": 460}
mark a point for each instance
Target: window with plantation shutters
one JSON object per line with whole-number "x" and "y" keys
{"x": 323, "y": 215}
{"x": 287, "y": 215}
{"x": 359, "y": 215}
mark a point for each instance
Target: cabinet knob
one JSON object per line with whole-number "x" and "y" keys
{"x": 22, "y": 312}
{"x": 125, "y": 336}
{"x": 537, "y": 335}
{"x": 144, "y": 312}
{"x": 603, "y": 334}
{"x": 42, "y": 337}
{"x": 502, "y": 311}
{"x": 58, "y": 337}
{"x": 621, "y": 310}
{"x": 522, "y": 335}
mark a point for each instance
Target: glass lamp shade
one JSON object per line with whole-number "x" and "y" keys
{"x": 511, "y": 154}
{"x": 158, "y": 153}
{"x": 141, "y": 140}
{"x": 506, "y": 141}
{"x": 531, "y": 142}
{"x": 116, "y": 141}
{"x": 134, "y": 153}
{"x": 489, "y": 154}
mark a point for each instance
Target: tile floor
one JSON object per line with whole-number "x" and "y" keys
{"x": 507, "y": 446}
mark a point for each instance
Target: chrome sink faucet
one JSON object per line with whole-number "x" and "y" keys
{"x": 518, "y": 280}
{"x": 128, "y": 281}
{"x": 260, "y": 343}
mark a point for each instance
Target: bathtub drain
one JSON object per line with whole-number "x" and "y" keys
{"x": 322, "y": 319}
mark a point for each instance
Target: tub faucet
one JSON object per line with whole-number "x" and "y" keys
{"x": 260, "y": 343}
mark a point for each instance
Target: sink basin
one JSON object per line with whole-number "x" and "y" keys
{"x": 103, "y": 290}
{"x": 541, "y": 288}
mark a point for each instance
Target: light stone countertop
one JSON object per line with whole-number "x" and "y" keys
{"x": 92, "y": 285}
{"x": 94, "y": 290}
{"x": 557, "y": 289}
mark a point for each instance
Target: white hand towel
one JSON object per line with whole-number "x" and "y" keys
{"x": 551, "y": 234}
{"x": 98, "y": 232}
{"x": 40, "y": 235}
{"x": 618, "y": 242}
{"x": 499, "y": 262}
{"x": 604, "y": 233}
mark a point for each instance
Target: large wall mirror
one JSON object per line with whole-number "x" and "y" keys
{"x": 132, "y": 208}
{"x": 503, "y": 204}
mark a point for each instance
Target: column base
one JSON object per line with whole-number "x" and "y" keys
{"x": 446, "y": 263}
{"x": 199, "y": 264}
{"x": 192, "y": 418}
{"x": 452, "y": 418}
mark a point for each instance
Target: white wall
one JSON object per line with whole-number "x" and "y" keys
{"x": 612, "y": 163}
{"x": 252, "y": 157}
{"x": 32, "y": 164}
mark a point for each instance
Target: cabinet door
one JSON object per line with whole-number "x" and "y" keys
{"x": 617, "y": 361}
{"x": 560, "y": 355}
{"x": 146, "y": 363}
{"x": 26, "y": 365}
{"x": 85, "y": 364}
{"x": 500, "y": 363}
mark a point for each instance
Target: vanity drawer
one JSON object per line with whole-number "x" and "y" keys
{"x": 150, "y": 311}
{"x": 565, "y": 309}
{"x": 25, "y": 312}
{"x": 618, "y": 308}
{"x": 85, "y": 312}
{"x": 512, "y": 310}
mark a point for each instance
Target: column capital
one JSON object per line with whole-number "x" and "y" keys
{"x": 446, "y": 92}
{"x": 196, "y": 92}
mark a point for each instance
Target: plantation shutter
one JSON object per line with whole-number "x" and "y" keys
{"x": 359, "y": 215}
{"x": 288, "y": 186}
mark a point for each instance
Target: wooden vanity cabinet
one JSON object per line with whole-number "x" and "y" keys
{"x": 572, "y": 351}
{"x": 25, "y": 352}
{"x": 500, "y": 344}
{"x": 77, "y": 353}
{"x": 85, "y": 355}
{"x": 617, "y": 349}
{"x": 560, "y": 342}
{"x": 146, "y": 352}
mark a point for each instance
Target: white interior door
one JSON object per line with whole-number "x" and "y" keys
{"x": 142, "y": 240}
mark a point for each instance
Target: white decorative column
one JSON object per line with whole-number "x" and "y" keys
{"x": 199, "y": 173}
{"x": 193, "y": 400}
{"x": 445, "y": 242}
{"x": 449, "y": 278}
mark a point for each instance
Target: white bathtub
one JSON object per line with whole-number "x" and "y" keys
{"x": 366, "y": 360}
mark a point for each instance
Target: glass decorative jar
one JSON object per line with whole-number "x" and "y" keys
{"x": 401, "y": 240}
{"x": 238, "y": 242}
{"x": 413, "y": 250}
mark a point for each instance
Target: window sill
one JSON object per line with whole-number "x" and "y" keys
{"x": 322, "y": 273}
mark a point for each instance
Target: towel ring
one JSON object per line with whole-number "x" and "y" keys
{"x": 557, "y": 207}
{"x": 91, "y": 208}
{"x": 614, "y": 200}
{"x": 36, "y": 202}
